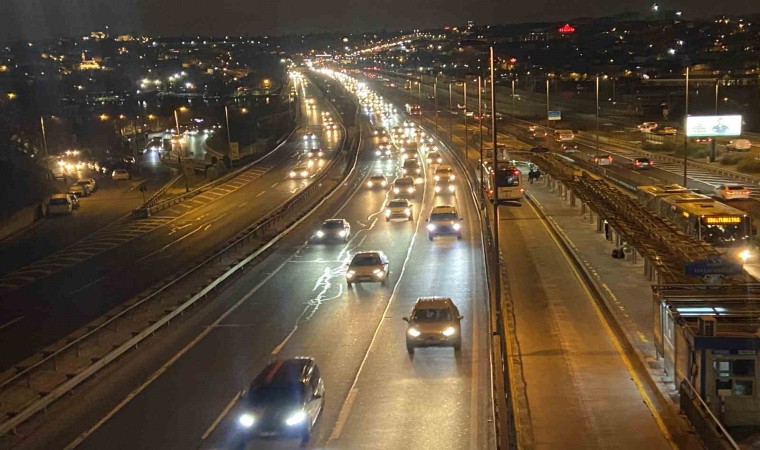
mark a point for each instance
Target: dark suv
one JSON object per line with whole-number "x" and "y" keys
{"x": 284, "y": 400}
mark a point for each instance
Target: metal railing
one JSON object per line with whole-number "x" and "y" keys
{"x": 708, "y": 427}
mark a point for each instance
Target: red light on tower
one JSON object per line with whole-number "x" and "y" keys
{"x": 512, "y": 60}
{"x": 566, "y": 29}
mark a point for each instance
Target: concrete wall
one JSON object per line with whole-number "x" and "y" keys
{"x": 20, "y": 220}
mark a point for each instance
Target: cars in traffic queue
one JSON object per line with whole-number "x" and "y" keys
{"x": 284, "y": 400}
{"x": 315, "y": 153}
{"x": 379, "y": 131}
{"x": 120, "y": 175}
{"x": 434, "y": 322}
{"x": 444, "y": 186}
{"x": 60, "y": 204}
{"x": 309, "y": 136}
{"x": 370, "y": 266}
{"x": 536, "y": 132}
{"x": 564, "y": 135}
{"x": 404, "y": 187}
{"x": 732, "y": 192}
{"x": 642, "y": 163}
{"x": 647, "y": 126}
{"x": 411, "y": 166}
{"x": 334, "y": 229}
{"x": 443, "y": 221}
{"x": 330, "y": 126}
{"x": 377, "y": 181}
{"x": 79, "y": 190}
{"x": 434, "y": 158}
{"x": 569, "y": 147}
{"x": 92, "y": 185}
{"x": 383, "y": 151}
{"x": 668, "y": 130}
{"x": 398, "y": 208}
{"x": 602, "y": 159}
{"x": 444, "y": 171}
{"x": 739, "y": 145}
{"x": 299, "y": 172}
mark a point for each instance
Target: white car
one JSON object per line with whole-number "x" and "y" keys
{"x": 60, "y": 204}
{"x": 368, "y": 266}
{"x": 120, "y": 174}
{"x": 299, "y": 172}
{"x": 92, "y": 185}
{"x": 647, "y": 126}
{"x": 310, "y": 136}
{"x": 79, "y": 190}
{"x": 377, "y": 181}
{"x": 444, "y": 171}
{"x": 732, "y": 192}
{"x": 739, "y": 145}
{"x": 398, "y": 208}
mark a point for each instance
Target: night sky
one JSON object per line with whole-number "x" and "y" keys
{"x": 35, "y": 19}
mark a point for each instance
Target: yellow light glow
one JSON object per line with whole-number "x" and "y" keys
{"x": 720, "y": 220}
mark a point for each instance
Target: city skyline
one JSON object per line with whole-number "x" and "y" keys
{"x": 43, "y": 19}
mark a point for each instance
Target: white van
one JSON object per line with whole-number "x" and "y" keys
{"x": 564, "y": 135}
{"x": 60, "y": 204}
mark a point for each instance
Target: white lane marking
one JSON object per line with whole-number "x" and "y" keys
{"x": 154, "y": 376}
{"x": 221, "y": 416}
{"x": 341, "y": 422}
{"x": 6, "y": 325}
{"x": 274, "y": 185}
{"x": 346, "y": 408}
{"x": 260, "y": 194}
{"x": 87, "y": 285}
{"x": 284, "y": 341}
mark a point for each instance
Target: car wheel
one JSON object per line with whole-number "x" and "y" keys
{"x": 459, "y": 237}
{"x": 458, "y": 345}
{"x": 383, "y": 282}
{"x": 387, "y": 219}
{"x": 349, "y": 284}
{"x": 409, "y": 219}
{"x": 430, "y": 236}
{"x": 345, "y": 239}
{"x": 410, "y": 349}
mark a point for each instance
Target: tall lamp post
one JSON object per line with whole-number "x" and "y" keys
{"x": 685, "y": 138}
{"x": 547, "y": 102}
{"x": 435, "y": 96}
{"x": 44, "y": 141}
{"x": 451, "y": 118}
{"x": 466, "y": 141}
{"x": 597, "y": 114}
{"x": 480, "y": 122}
{"x": 713, "y": 143}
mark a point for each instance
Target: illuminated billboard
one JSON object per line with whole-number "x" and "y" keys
{"x": 699, "y": 126}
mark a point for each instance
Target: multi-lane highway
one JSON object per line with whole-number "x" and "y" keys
{"x": 298, "y": 303}
{"x": 54, "y": 294}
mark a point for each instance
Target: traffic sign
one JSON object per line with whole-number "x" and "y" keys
{"x": 234, "y": 151}
{"x": 713, "y": 266}
{"x": 555, "y": 115}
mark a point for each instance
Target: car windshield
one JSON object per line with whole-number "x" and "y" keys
{"x": 442, "y": 216}
{"x": 378, "y": 178}
{"x": 431, "y": 315}
{"x": 279, "y": 394}
{"x": 404, "y": 183}
{"x": 397, "y": 204}
{"x": 332, "y": 225}
{"x": 58, "y": 201}
{"x": 735, "y": 188}
{"x": 365, "y": 260}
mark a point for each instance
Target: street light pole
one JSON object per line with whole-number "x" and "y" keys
{"x": 514, "y": 110}
{"x": 44, "y": 141}
{"x": 466, "y": 142}
{"x": 227, "y": 120}
{"x": 713, "y": 143}
{"x": 419, "y": 90}
{"x": 497, "y": 250}
{"x": 176, "y": 121}
{"x": 480, "y": 123}
{"x": 685, "y": 138}
{"x": 597, "y": 114}
{"x": 435, "y": 96}
{"x": 547, "y": 102}
{"x": 451, "y": 119}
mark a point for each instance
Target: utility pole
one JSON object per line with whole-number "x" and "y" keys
{"x": 685, "y": 138}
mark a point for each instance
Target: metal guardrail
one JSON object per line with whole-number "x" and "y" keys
{"x": 708, "y": 427}
{"x": 153, "y": 199}
{"x": 260, "y": 228}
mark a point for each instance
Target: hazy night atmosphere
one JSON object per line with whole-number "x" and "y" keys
{"x": 379, "y": 225}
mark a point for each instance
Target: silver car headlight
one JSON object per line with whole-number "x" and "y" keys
{"x": 436, "y": 178}
{"x": 292, "y": 174}
{"x": 431, "y": 227}
{"x": 413, "y": 332}
{"x": 396, "y": 190}
{"x": 456, "y": 227}
{"x": 407, "y": 211}
{"x": 369, "y": 184}
{"x": 342, "y": 233}
{"x": 452, "y": 188}
{"x": 246, "y": 420}
{"x": 350, "y": 273}
{"x": 450, "y": 331}
{"x": 387, "y": 212}
{"x": 304, "y": 174}
{"x": 438, "y": 189}
{"x": 384, "y": 184}
{"x": 320, "y": 234}
{"x": 296, "y": 418}
{"x": 410, "y": 190}
{"x": 378, "y": 271}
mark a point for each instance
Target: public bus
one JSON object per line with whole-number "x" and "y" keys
{"x": 699, "y": 216}
{"x": 505, "y": 182}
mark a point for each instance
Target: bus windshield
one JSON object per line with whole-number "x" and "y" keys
{"x": 507, "y": 178}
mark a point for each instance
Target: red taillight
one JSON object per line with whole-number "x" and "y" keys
{"x": 636, "y": 163}
{"x": 522, "y": 190}
{"x": 515, "y": 172}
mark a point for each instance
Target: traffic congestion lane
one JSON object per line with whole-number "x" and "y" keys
{"x": 85, "y": 290}
{"x": 572, "y": 378}
{"x": 243, "y": 343}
